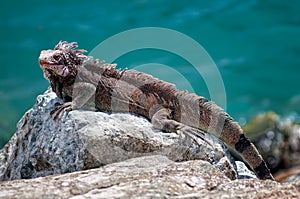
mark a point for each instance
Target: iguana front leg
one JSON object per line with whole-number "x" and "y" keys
{"x": 161, "y": 120}
{"x": 82, "y": 94}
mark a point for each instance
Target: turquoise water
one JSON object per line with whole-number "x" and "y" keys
{"x": 255, "y": 44}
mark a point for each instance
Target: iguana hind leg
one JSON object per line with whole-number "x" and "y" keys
{"x": 161, "y": 120}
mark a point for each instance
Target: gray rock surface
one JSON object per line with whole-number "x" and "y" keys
{"x": 243, "y": 172}
{"x": 148, "y": 177}
{"x": 81, "y": 140}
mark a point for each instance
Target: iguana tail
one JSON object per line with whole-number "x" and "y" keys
{"x": 199, "y": 112}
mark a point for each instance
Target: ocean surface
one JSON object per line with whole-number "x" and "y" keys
{"x": 255, "y": 45}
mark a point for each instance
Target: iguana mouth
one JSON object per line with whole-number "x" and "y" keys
{"x": 54, "y": 69}
{"x": 44, "y": 64}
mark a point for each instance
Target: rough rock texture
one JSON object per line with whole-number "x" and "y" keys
{"x": 81, "y": 140}
{"x": 148, "y": 177}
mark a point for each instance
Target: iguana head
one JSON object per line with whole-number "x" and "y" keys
{"x": 60, "y": 65}
{"x": 62, "y": 61}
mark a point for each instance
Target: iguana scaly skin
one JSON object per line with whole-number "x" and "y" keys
{"x": 85, "y": 80}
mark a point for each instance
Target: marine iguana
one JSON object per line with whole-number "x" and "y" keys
{"x": 82, "y": 79}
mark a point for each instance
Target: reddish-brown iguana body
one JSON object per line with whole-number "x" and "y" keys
{"x": 87, "y": 81}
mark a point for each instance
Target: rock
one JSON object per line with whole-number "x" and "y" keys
{"x": 288, "y": 175}
{"x": 81, "y": 140}
{"x": 243, "y": 172}
{"x": 148, "y": 177}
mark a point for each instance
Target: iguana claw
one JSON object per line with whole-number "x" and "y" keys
{"x": 193, "y": 133}
{"x": 59, "y": 108}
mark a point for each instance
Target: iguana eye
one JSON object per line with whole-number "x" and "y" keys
{"x": 56, "y": 57}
